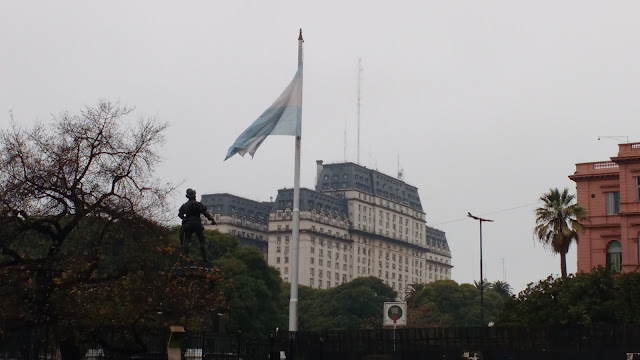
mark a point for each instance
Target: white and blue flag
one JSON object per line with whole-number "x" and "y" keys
{"x": 283, "y": 117}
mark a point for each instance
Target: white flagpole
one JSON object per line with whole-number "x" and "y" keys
{"x": 293, "y": 300}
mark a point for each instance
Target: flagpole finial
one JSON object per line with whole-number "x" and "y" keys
{"x": 300, "y": 37}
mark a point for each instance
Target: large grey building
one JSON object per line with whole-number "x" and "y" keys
{"x": 357, "y": 222}
{"x": 244, "y": 218}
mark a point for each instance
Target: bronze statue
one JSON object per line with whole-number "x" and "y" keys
{"x": 190, "y": 214}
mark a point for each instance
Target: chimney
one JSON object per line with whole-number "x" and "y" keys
{"x": 318, "y": 171}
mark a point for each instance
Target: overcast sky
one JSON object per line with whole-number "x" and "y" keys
{"x": 486, "y": 104}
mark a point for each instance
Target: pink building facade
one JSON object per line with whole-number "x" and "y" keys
{"x": 610, "y": 193}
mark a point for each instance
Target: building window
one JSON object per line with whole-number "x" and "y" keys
{"x": 612, "y": 202}
{"x": 614, "y": 256}
{"x": 638, "y": 188}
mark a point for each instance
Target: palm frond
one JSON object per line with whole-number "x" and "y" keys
{"x": 559, "y": 220}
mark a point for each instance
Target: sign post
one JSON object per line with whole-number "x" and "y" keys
{"x": 394, "y": 313}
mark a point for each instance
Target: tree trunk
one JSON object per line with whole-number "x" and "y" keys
{"x": 563, "y": 264}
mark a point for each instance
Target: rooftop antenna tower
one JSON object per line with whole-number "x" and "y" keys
{"x": 359, "y": 83}
{"x": 345, "y": 145}
{"x": 400, "y": 171}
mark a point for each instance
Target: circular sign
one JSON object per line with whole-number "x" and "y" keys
{"x": 394, "y": 312}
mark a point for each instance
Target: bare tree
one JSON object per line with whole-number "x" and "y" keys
{"x": 93, "y": 163}
{"x": 78, "y": 200}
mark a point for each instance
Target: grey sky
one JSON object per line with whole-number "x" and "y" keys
{"x": 487, "y": 104}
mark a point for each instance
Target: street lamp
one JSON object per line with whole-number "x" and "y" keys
{"x": 480, "y": 220}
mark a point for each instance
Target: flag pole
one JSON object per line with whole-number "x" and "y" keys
{"x": 293, "y": 300}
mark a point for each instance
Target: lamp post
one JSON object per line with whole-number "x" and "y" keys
{"x": 480, "y": 220}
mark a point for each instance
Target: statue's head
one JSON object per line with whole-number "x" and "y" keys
{"x": 191, "y": 194}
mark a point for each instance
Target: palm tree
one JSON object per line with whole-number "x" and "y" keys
{"x": 485, "y": 285}
{"x": 502, "y": 288}
{"x": 412, "y": 293}
{"x": 558, "y": 223}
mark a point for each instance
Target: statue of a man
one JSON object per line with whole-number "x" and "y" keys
{"x": 190, "y": 214}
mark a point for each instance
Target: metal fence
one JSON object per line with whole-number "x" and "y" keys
{"x": 593, "y": 342}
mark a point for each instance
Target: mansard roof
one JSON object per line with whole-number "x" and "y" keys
{"x": 229, "y": 205}
{"x": 437, "y": 238}
{"x": 347, "y": 176}
{"x": 312, "y": 200}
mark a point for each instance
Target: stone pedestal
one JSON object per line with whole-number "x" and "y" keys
{"x": 174, "y": 345}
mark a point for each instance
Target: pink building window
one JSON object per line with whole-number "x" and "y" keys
{"x": 612, "y": 205}
{"x": 614, "y": 256}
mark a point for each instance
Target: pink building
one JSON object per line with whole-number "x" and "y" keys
{"x": 610, "y": 193}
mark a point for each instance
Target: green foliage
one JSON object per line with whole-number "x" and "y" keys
{"x": 597, "y": 297}
{"x": 445, "y": 303}
{"x": 109, "y": 274}
{"x": 628, "y": 292}
{"x": 250, "y": 287}
{"x": 354, "y": 305}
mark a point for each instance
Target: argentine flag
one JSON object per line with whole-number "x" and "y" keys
{"x": 283, "y": 117}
